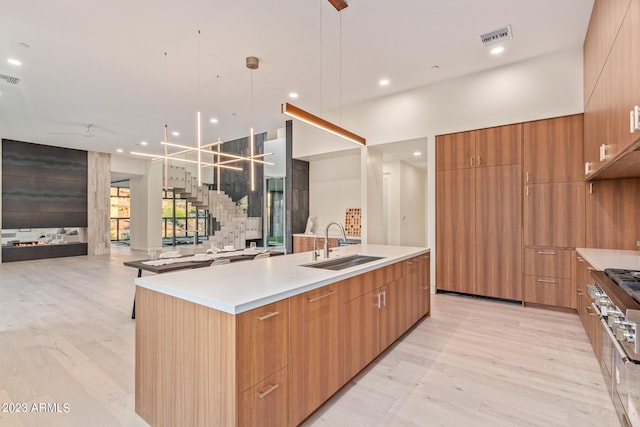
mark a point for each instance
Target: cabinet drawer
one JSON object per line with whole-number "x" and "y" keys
{"x": 548, "y": 262}
{"x": 548, "y": 291}
{"x": 263, "y": 336}
{"x": 367, "y": 282}
{"x": 265, "y": 404}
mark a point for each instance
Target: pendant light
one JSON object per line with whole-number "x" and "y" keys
{"x": 252, "y": 64}
{"x": 313, "y": 120}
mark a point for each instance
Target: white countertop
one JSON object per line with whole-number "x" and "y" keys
{"x": 241, "y": 286}
{"x": 610, "y": 258}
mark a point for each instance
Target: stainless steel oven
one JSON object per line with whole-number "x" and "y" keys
{"x": 619, "y": 313}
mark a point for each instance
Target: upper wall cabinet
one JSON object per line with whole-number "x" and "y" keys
{"x": 495, "y": 146}
{"x": 553, "y": 150}
{"x": 611, "y": 142}
{"x": 455, "y": 151}
{"x": 606, "y": 19}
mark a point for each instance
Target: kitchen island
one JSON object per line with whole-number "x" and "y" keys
{"x": 267, "y": 342}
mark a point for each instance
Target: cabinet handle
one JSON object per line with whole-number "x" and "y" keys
{"x": 527, "y": 176}
{"x": 471, "y": 159}
{"x": 547, "y": 253}
{"x": 591, "y": 269}
{"x": 634, "y": 119}
{"x": 546, "y": 281}
{"x": 378, "y": 304}
{"x": 384, "y": 297}
{"x": 268, "y": 315}
{"x": 603, "y": 152}
{"x": 321, "y": 296}
{"x": 527, "y": 190}
{"x": 579, "y": 291}
{"x": 579, "y": 258}
{"x": 269, "y": 390}
{"x": 587, "y": 168}
{"x": 479, "y": 159}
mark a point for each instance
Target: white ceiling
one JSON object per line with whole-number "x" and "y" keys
{"x": 103, "y": 62}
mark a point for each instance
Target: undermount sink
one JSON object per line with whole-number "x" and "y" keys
{"x": 340, "y": 263}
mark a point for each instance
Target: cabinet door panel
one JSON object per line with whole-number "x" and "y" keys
{"x": 455, "y": 151}
{"x": 265, "y": 404}
{"x": 499, "y": 145}
{"x": 606, "y": 18}
{"x": 425, "y": 285}
{"x": 553, "y": 150}
{"x": 554, "y": 215}
{"x": 393, "y": 319}
{"x": 455, "y": 230}
{"x": 361, "y": 338}
{"x": 612, "y": 214}
{"x": 498, "y": 232}
{"x": 548, "y": 290}
{"x": 550, "y": 262}
{"x": 316, "y": 349}
{"x": 263, "y": 340}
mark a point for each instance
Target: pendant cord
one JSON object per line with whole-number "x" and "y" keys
{"x": 321, "y": 60}
{"x": 340, "y": 67}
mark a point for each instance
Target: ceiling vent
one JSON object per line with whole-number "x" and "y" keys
{"x": 503, "y": 34}
{"x": 10, "y": 79}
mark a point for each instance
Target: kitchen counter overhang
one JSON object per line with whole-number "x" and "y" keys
{"x": 238, "y": 287}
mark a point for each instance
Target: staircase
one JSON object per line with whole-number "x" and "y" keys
{"x": 229, "y": 217}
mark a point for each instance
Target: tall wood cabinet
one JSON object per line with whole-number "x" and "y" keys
{"x": 509, "y": 210}
{"x": 553, "y": 208}
{"x": 478, "y": 212}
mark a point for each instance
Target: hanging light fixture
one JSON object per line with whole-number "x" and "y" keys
{"x": 208, "y": 149}
{"x": 252, "y": 64}
{"x": 304, "y": 116}
{"x": 313, "y": 120}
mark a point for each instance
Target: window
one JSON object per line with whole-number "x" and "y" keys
{"x": 181, "y": 219}
{"x": 120, "y": 216}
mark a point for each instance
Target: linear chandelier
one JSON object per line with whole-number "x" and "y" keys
{"x": 304, "y": 116}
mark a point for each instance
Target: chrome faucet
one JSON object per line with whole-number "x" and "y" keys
{"x": 314, "y": 253}
{"x": 326, "y": 237}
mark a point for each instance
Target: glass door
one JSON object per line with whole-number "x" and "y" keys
{"x": 274, "y": 212}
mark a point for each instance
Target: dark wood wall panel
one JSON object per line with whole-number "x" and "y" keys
{"x": 24, "y": 253}
{"x": 43, "y": 186}
{"x": 296, "y": 192}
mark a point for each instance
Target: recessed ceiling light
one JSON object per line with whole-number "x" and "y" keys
{"x": 175, "y": 133}
{"x": 144, "y": 143}
{"x": 293, "y": 95}
{"x": 213, "y": 120}
{"x": 24, "y": 45}
{"x": 13, "y": 61}
{"x": 417, "y": 153}
{"x": 435, "y": 67}
{"x": 497, "y": 50}
{"x": 383, "y": 82}
{"x": 119, "y": 150}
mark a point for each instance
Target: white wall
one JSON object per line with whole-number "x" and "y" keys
{"x": 334, "y": 186}
{"x": 372, "y": 192}
{"x": 412, "y": 206}
{"x": 546, "y": 86}
{"x": 406, "y": 201}
{"x": 145, "y": 178}
{"x": 278, "y": 148}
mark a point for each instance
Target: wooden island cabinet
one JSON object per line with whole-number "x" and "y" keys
{"x": 273, "y": 365}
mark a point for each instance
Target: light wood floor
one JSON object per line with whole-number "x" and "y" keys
{"x": 66, "y": 337}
